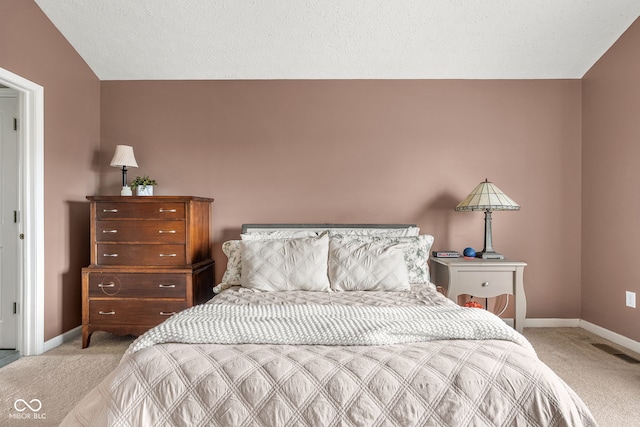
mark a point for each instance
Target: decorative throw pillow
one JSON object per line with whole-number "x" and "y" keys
{"x": 415, "y": 250}
{"x": 231, "y": 249}
{"x": 375, "y": 266}
{"x": 278, "y": 234}
{"x": 380, "y": 232}
{"x": 285, "y": 264}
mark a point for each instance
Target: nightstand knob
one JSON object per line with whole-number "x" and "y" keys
{"x": 485, "y": 284}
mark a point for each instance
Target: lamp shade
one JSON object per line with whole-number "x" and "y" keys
{"x": 487, "y": 197}
{"x": 124, "y": 157}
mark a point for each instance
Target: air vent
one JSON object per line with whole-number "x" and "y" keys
{"x": 615, "y": 352}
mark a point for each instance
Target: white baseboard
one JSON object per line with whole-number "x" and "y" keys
{"x": 611, "y": 336}
{"x": 551, "y": 323}
{"x": 546, "y": 323}
{"x": 61, "y": 339}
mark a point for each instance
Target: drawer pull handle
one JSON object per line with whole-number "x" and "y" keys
{"x": 167, "y": 313}
{"x": 167, "y": 231}
{"x": 112, "y": 255}
{"x": 109, "y": 231}
{"x": 163, "y": 255}
{"x": 107, "y": 285}
{"x": 166, "y": 286}
{"x": 107, "y": 313}
{"x": 162, "y": 210}
{"x": 110, "y": 210}
{"x": 485, "y": 284}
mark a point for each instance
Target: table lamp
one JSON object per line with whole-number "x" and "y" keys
{"x": 487, "y": 197}
{"x": 124, "y": 157}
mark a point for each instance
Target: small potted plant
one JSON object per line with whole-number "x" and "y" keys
{"x": 143, "y": 185}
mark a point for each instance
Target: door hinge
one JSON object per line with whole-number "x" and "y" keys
{"x": 15, "y": 216}
{"x": 15, "y": 308}
{"x": 15, "y": 124}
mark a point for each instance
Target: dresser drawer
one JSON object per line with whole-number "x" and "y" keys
{"x": 138, "y": 254}
{"x": 133, "y": 312}
{"x": 153, "y": 231}
{"x": 147, "y": 210}
{"x": 137, "y": 285}
{"x": 484, "y": 283}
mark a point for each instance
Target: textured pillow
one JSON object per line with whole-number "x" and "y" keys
{"x": 388, "y": 232}
{"x": 278, "y": 234}
{"x": 285, "y": 264}
{"x": 375, "y": 266}
{"x": 231, "y": 249}
{"x": 415, "y": 250}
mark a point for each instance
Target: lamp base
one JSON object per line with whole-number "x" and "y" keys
{"x": 489, "y": 255}
{"x": 126, "y": 191}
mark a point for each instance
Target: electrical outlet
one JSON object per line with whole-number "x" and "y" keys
{"x": 631, "y": 299}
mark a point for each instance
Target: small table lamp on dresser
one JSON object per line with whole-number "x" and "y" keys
{"x": 150, "y": 258}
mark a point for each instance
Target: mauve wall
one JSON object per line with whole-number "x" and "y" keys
{"x": 365, "y": 151}
{"x": 611, "y": 187}
{"x": 32, "y": 47}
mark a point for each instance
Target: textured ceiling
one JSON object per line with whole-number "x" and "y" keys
{"x": 333, "y": 39}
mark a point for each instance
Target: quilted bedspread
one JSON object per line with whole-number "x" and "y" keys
{"x": 491, "y": 379}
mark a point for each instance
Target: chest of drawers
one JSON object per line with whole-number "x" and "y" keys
{"x": 150, "y": 258}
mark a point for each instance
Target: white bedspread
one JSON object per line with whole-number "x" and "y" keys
{"x": 303, "y": 324}
{"x": 441, "y": 382}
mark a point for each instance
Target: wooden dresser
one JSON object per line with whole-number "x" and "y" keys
{"x": 150, "y": 258}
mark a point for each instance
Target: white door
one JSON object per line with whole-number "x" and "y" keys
{"x": 9, "y": 217}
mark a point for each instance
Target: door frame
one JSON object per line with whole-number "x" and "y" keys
{"x": 30, "y": 338}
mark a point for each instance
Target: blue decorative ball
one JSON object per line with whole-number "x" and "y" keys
{"x": 470, "y": 252}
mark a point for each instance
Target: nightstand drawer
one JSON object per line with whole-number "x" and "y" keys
{"x": 137, "y": 285}
{"x": 140, "y": 231}
{"x": 133, "y": 312}
{"x": 484, "y": 283}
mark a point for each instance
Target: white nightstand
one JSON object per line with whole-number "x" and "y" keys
{"x": 484, "y": 278}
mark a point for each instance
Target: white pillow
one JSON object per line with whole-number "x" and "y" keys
{"x": 415, "y": 250}
{"x": 375, "y": 266}
{"x": 285, "y": 264}
{"x": 278, "y": 234}
{"x": 388, "y": 232}
{"x": 231, "y": 249}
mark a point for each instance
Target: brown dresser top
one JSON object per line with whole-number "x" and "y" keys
{"x": 147, "y": 199}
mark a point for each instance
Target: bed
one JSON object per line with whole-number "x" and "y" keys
{"x": 330, "y": 325}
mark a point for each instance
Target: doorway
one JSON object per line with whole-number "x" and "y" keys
{"x": 30, "y": 194}
{"x": 9, "y": 217}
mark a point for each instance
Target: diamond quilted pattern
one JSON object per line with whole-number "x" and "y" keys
{"x": 285, "y": 264}
{"x": 344, "y": 386}
{"x": 374, "y": 266}
{"x": 436, "y": 383}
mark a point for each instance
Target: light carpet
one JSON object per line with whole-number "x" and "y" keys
{"x": 58, "y": 379}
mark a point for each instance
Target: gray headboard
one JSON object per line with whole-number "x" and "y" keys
{"x": 319, "y": 227}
